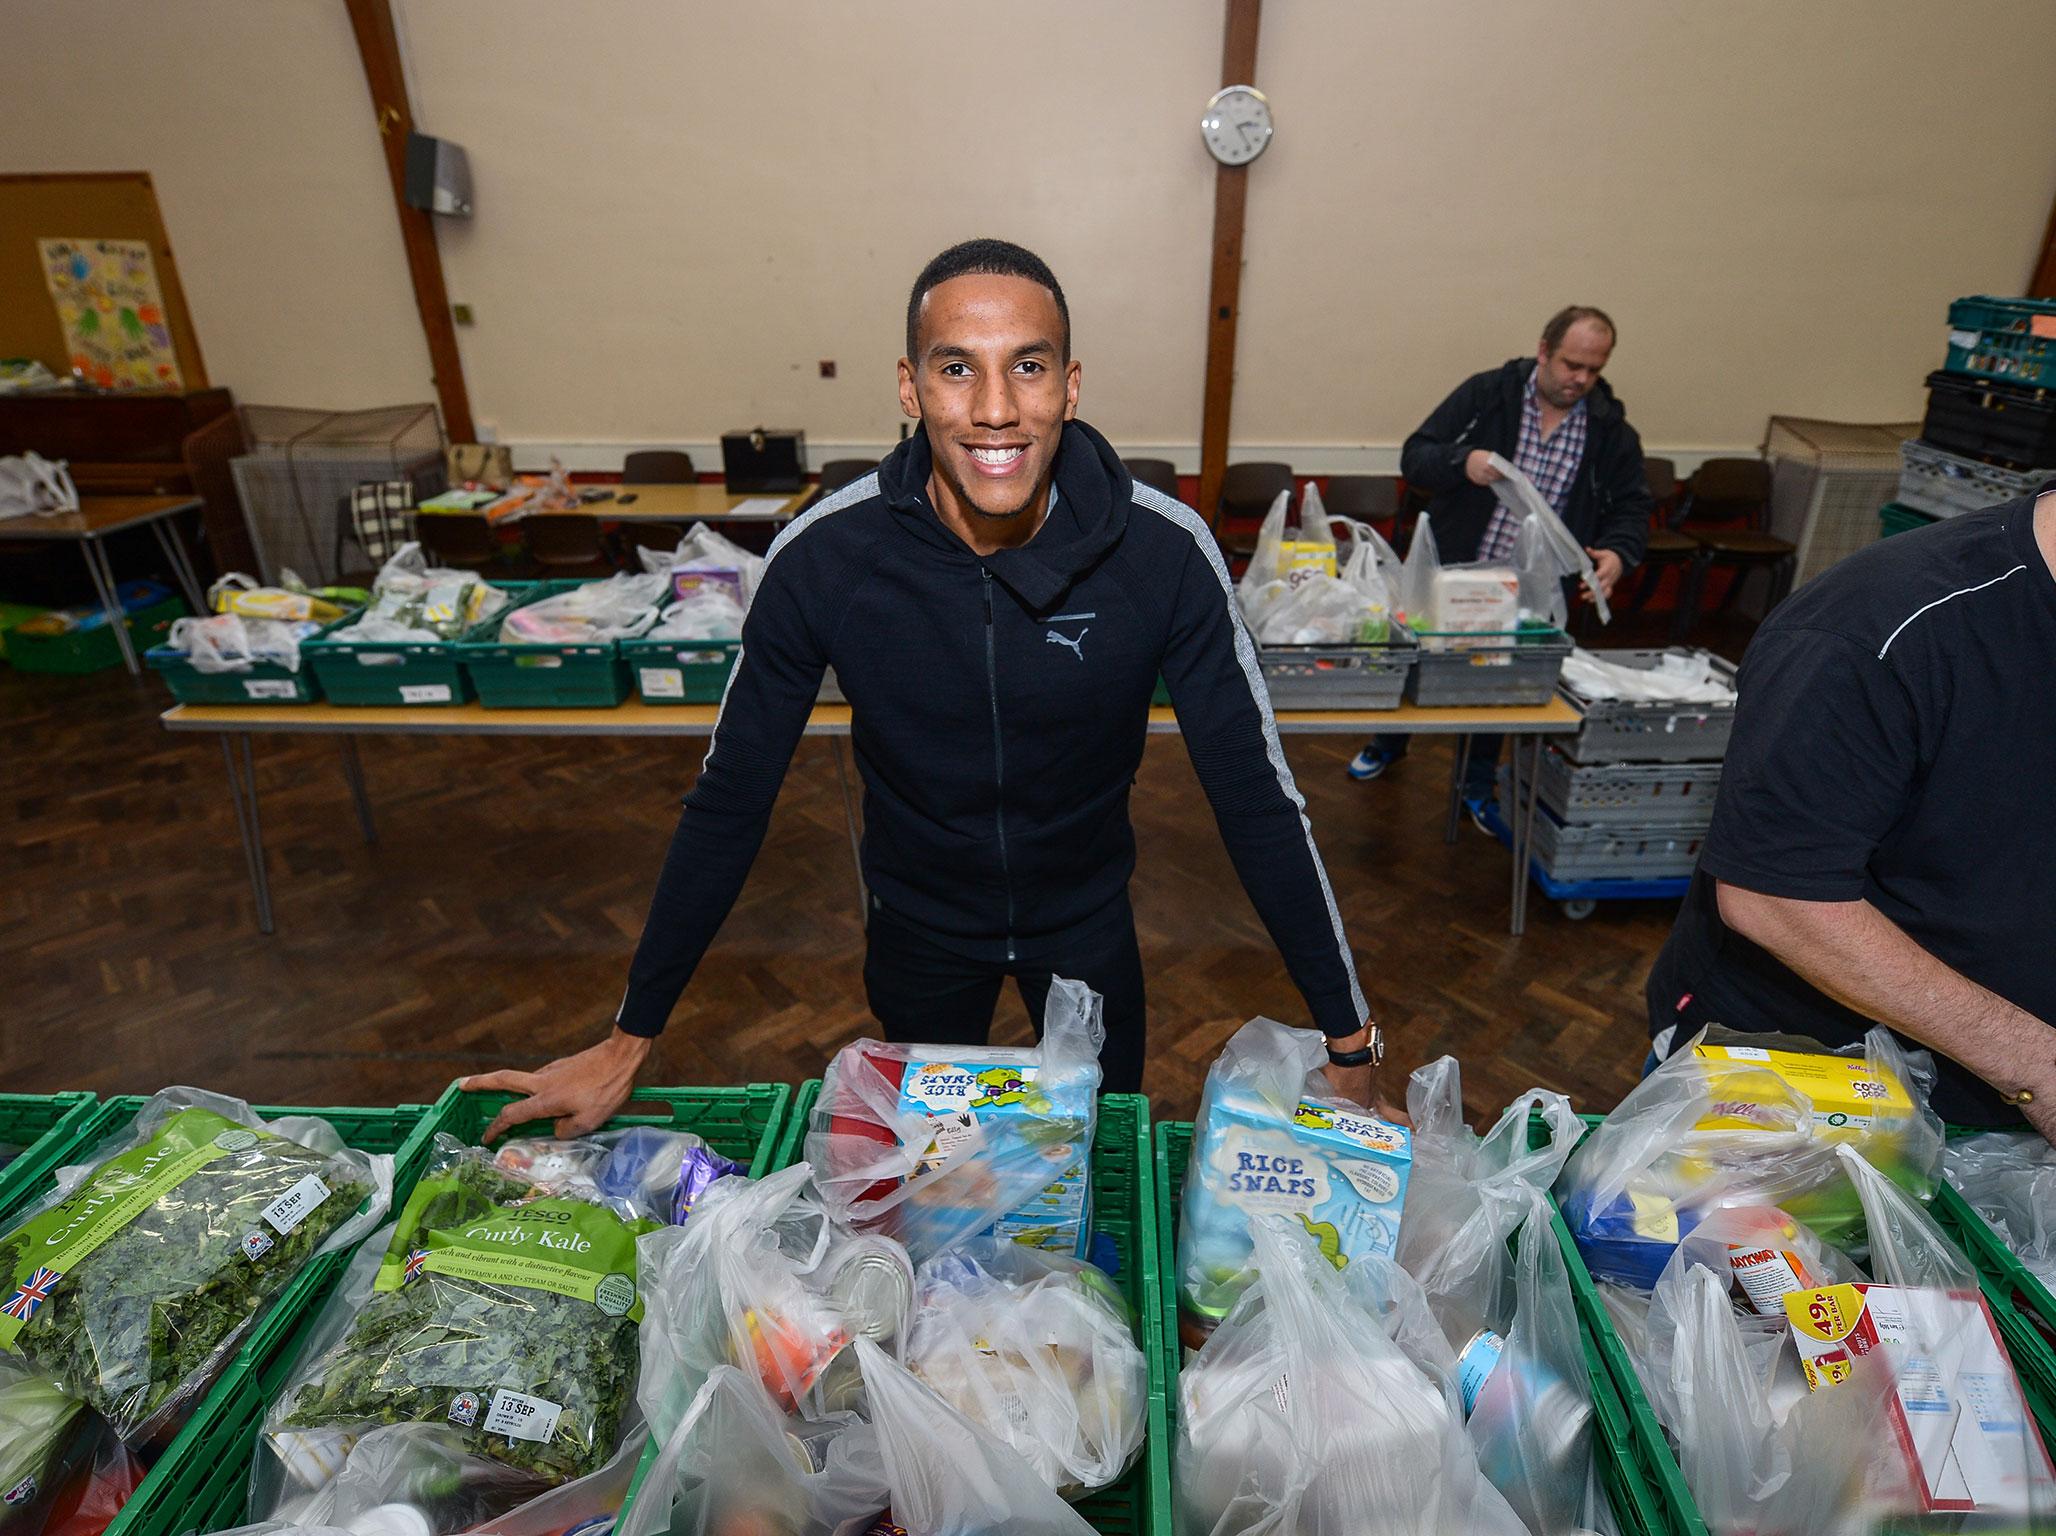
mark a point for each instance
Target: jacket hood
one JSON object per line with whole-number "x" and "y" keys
{"x": 1093, "y": 491}
{"x": 1602, "y": 404}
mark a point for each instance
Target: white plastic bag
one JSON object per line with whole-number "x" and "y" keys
{"x": 1687, "y": 679}
{"x": 1302, "y": 1415}
{"x": 1545, "y": 551}
{"x": 1272, "y": 1138}
{"x": 936, "y": 1144}
{"x": 704, "y": 549}
{"x": 619, "y": 608}
{"x": 948, "y": 1477}
{"x": 32, "y": 485}
{"x": 709, "y": 614}
{"x": 415, "y": 601}
{"x": 1675, "y": 1149}
{"x": 228, "y": 642}
{"x": 1039, "y": 1351}
{"x": 218, "y": 1212}
{"x": 2009, "y": 1178}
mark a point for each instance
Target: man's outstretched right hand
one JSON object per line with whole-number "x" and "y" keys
{"x": 579, "y": 1092}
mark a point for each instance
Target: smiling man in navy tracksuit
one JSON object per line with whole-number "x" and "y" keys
{"x": 997, "y": 602}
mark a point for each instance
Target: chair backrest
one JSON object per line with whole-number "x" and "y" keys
{"x": 1367, "y": 498}
{"x": 1157, "y": 474}
{"x": 1729, "y": 490}
{"x": 637, "y": 534}
{"x": 837, "y": 473}
{"x": 463, "y": 541}
{"x": 1247, "y": 490}
{"x": 658, "y": 466}
{"x": 568, "y": 540}
{"x": 1661, "y": 476}
{"x": 380, "y": 514}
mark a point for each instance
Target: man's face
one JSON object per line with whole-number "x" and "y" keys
{"x": 1566, "y": 376}
{"x": 991, "y": 388}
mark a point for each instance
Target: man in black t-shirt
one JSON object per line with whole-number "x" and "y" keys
{"x": 1884, "y": 842}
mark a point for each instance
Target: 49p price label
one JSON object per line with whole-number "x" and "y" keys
{"x": 522, "y": 1417}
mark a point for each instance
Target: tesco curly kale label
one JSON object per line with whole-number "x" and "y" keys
{"x": 567, "y": 1247}
{"x": 50, "y": 1245}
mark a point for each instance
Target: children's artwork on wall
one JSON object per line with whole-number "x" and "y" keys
{"x": 112, "y": 312}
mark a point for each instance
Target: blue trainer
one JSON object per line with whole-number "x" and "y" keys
{"x": 1369, "y": 764}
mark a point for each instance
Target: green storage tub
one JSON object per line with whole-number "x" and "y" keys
{"x": 45, "y": 1126}
{"x": 1124, "y": 1208}
{"x": 1635, "y": 1465}
{"x": 680, "y": 671}
{"x": 265, "y": 683}
{"x": 509, "y": 674}
{"x": 197, "y": 1462}
{"x": 1894, "y": 518}
{"x": 220, "y": 1440}
{"x": 84, "y": 651}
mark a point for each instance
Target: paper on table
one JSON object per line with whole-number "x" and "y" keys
{"x": 1517, "y": 493}
{"x": 758, "y": 506}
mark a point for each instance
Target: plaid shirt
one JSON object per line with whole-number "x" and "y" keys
{"x": 1551, "y": 462}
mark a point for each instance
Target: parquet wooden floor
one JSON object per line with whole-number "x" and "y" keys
{"x": 492, "y": 923}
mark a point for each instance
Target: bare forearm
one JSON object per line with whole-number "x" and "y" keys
{"x": 1857, "y": 955}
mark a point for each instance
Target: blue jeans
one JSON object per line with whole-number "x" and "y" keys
{"x": 1481, "y": 773}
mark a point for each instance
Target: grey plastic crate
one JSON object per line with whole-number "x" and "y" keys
{"x": 1337, "y": 676}
{"x": 1627, "y": 731}
{"x": 1485, "y": 669}
{"x": 1946, "y": 484}
{"x": 1628, "y": 794}
{"x": 1615, "y": 853}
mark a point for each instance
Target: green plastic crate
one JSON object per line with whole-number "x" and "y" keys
{"x": 2010, "y": 339}
{"x": 1124, "y": 1209}
{"x": 265, "y": 683}
{"x": 46, "y": 1126}
{"x": 511, "y": 674}
{"x": 1893, "y": 518}
{"x": 162, "y": 1504}
{"x": 82, "y": 651}
{"x": 680, "y": 671}
{"x": 739, "y": 1123}
{"x": 1631, "y": 1465}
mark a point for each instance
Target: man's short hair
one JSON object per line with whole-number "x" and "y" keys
{"x": 986, "y": 258}
{"x": 1560, "y": 324}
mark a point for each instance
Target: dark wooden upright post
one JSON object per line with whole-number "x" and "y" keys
{"x": 379, "y": 46}
{"x": 1224, "y": 300}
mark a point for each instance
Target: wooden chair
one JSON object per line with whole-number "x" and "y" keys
{"x": 1372, "y": 499}
{"x": 1720, "y": 494}
{"x": 836, "y": 474}
{"x": 658, "y": 466}
{"x": 463, "y": 541}
{"x": 637, "y": 534}
{"x": 568, "y": 545}
{"x": 1247, "y": 491}
{"x": 1668, "y": 547}
{"x": 1157, "y": 474}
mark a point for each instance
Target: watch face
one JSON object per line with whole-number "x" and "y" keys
{"x": 1237, "y": 124}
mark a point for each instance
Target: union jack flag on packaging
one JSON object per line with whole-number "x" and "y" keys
{"x": 416, "y": 1257}
{"x": 31, "y": 1294}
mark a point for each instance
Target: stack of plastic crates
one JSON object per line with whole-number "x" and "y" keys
{"x": 1622, "y": 808}
{"x": 1990, "y": 430}
{"x": 300, "y": 464}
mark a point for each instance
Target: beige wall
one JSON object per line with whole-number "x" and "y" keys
{"x": 683, "y": 206}
{"x": 252, "y": 118}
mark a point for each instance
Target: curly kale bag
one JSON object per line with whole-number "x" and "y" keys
{"x": 133, "y": 1285}
{"x": 507, "y": 1313}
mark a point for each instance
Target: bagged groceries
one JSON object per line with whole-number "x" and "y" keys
{"x": 1676, "y": 678}
{"x": 1477, "y": 1236}
{"x": 709, "y": 563}
{"x": 1804, "y": 1395}
{"x": 1304, "y": 1413}
{"x": 227, "y": 642}
{"x": 1039, "y": 1351}
{"x": 619, "y": 608}
{"x": 2009, "y": 1178}
{"x": 137, "y": 1278}
{"x": 291, "y": 601}
{"x": 1737, "y": 1119}
{"x": 1294, "y": 592}
{"x": 412, "y": 600}
{"x": 503, "y": 1305}
{"x": 935, "y": 1144}
{"x": 1272, "y": 1140}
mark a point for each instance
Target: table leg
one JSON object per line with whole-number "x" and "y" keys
{"x": 1524, "y": 835}
{"x": 242, "y": 786}
{"x": 1460, "y": 753}
{"x": 849, "y": 820}
{"x": 110, "y": 600}
{"x": 353, "y": 770}
{"x": 182, "y": 571}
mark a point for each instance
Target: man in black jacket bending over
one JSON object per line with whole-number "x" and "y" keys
{"x": 997, "y": 602}
{"x": 1555, "y": 419}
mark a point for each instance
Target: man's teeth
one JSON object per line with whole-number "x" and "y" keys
{"x": 996, "y": 455}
